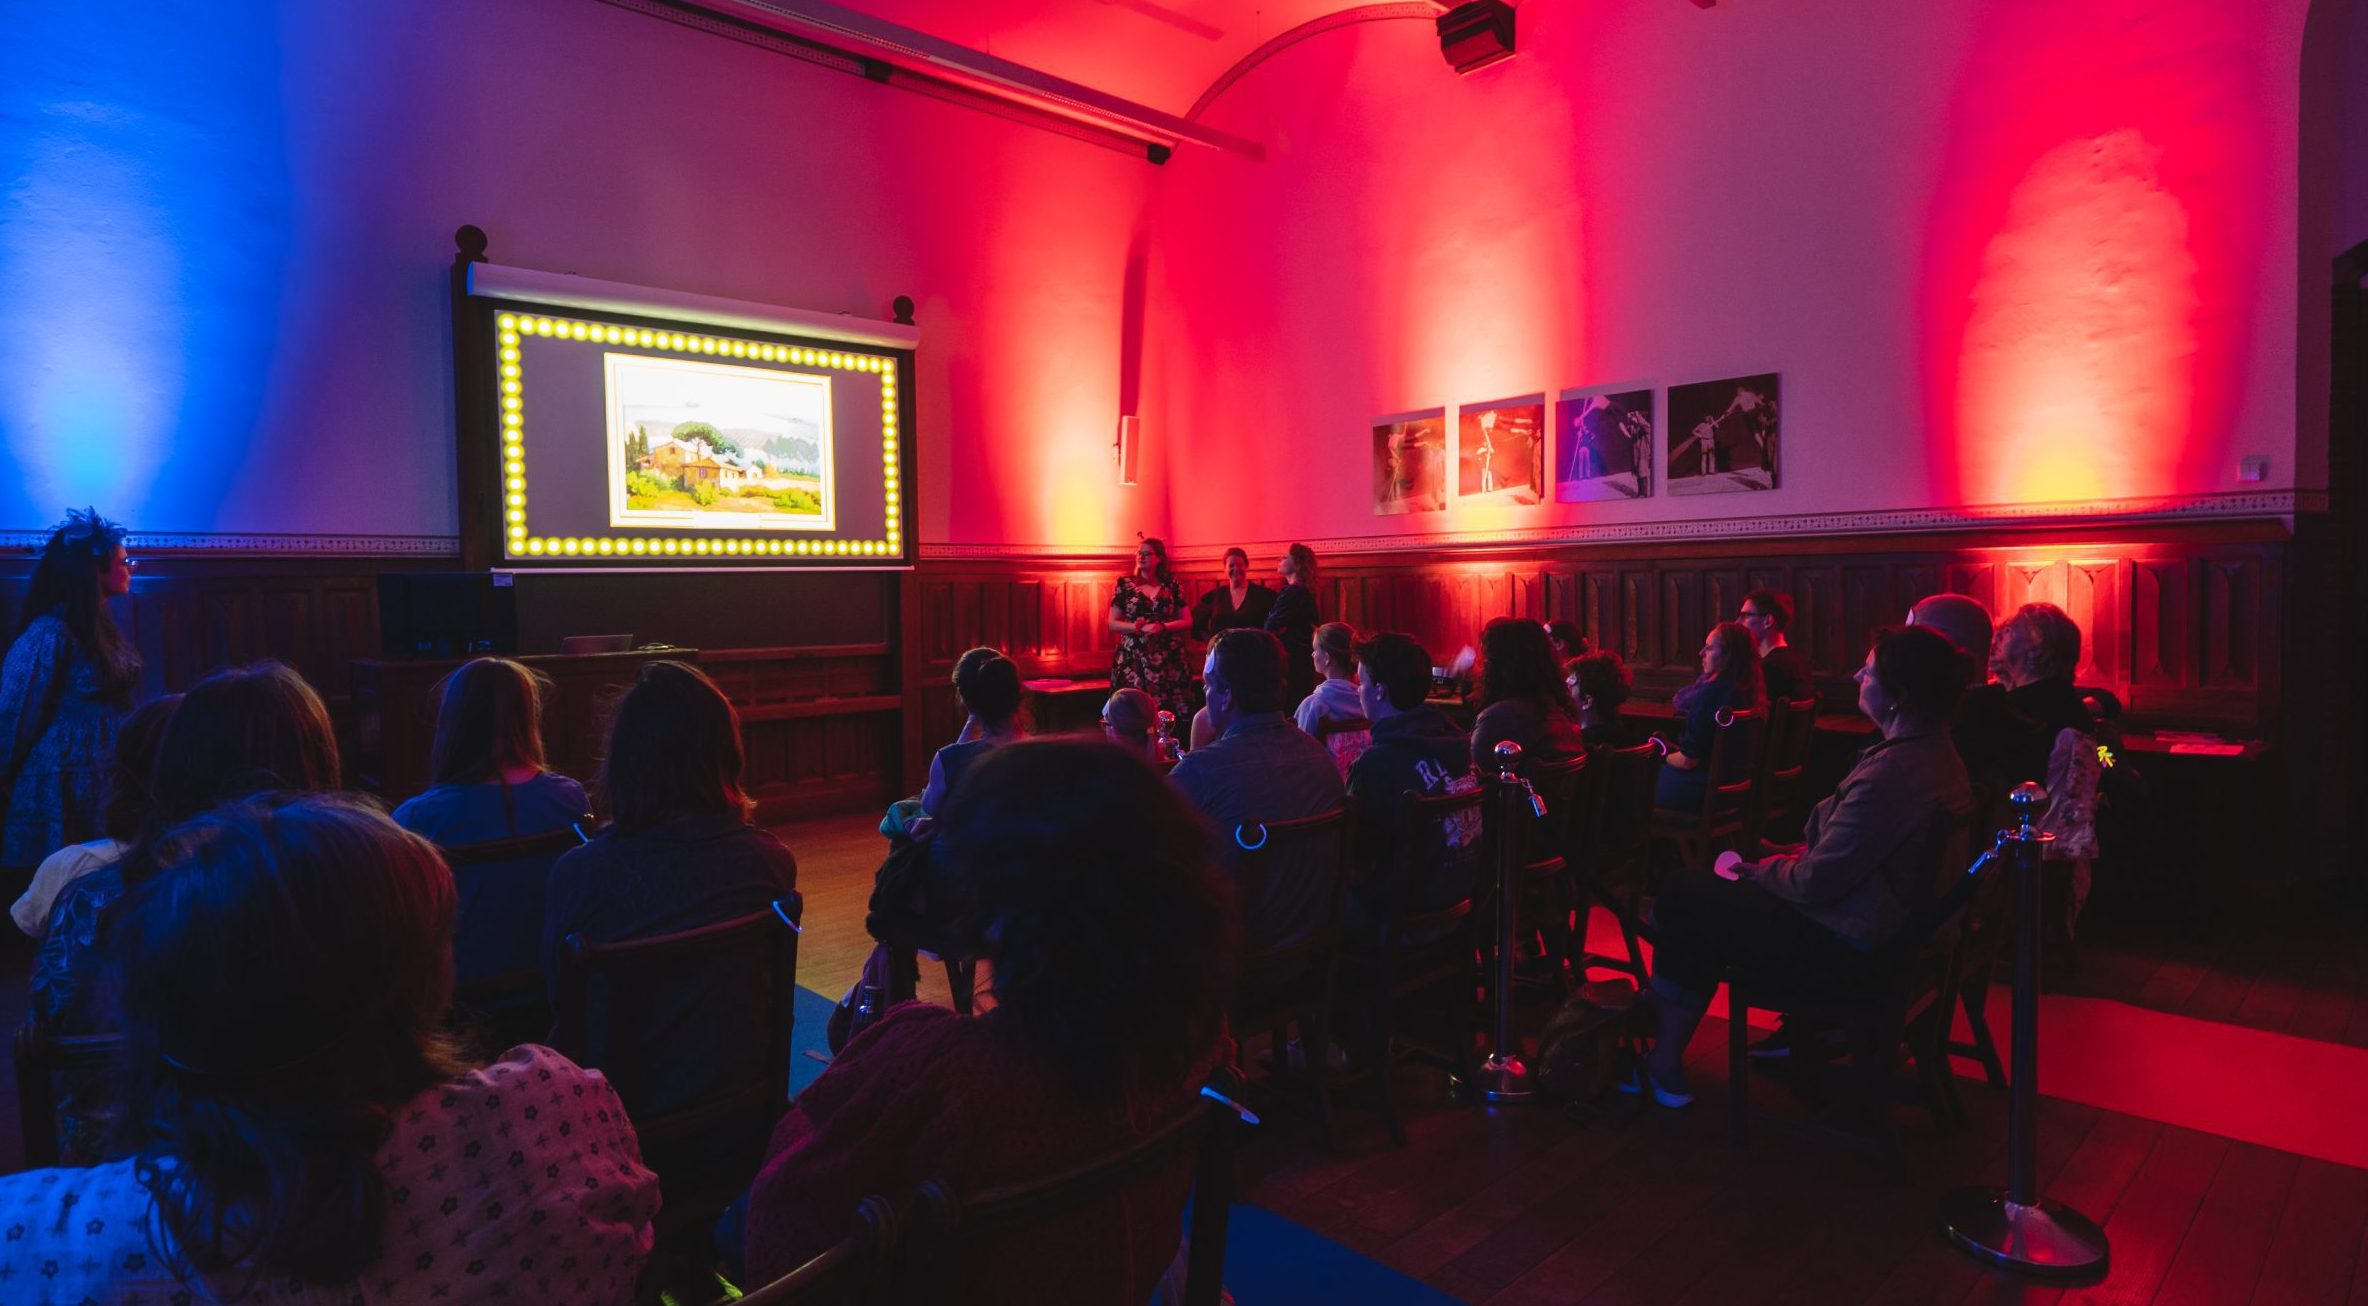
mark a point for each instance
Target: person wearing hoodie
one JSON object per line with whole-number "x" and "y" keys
{"x": 1415, "y": 749}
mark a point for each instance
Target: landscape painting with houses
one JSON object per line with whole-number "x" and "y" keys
{"x": 717, "y": 447}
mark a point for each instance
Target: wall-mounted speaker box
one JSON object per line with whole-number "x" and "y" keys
{"x": 1473, "y": 36}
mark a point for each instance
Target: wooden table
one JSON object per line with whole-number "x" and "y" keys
{"x": 395, "y": 706}
{"x": 1057, "y": 705}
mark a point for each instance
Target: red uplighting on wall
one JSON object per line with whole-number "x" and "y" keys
{"x": 2091, "y": 259}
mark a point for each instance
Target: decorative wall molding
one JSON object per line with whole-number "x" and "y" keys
{"x": 1024, "y": 552}
{"x": 2099, "y": 512}
{"x": 332, "y": 546}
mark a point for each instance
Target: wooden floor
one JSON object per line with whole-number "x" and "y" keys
{"x": 2305, "y": 975}
{"x": 1640, "y": 1205}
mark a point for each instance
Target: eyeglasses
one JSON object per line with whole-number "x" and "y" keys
{"x": 1748, "y": 615}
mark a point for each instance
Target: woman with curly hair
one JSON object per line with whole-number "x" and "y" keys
{"x": 1109, "y": 932}
{"x": 304, "y": 1133}
{"x": 64, "y": 691}
{"x": 1523, "y": 696}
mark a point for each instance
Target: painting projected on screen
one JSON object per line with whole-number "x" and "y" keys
{"x": 712, "y": 446}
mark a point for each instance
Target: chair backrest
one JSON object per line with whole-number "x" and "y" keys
{"x": 843, "y": 1272}
{"x": 1616, "y": 825}
{"x": 1311, "y": 854}
{"x": 1735, "y": 729}
{"x": 1564, "y": 786}
{"x": 1449, "y": 826}
{"x": 1783, "y": 759}
{"x": 947, "y": 1228}
{"x": 497, "y": 940}
{"x": 43, "y": 1057}
{"x": 768, "y": 937}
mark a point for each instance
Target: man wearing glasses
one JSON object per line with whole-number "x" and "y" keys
{"x": 1766, "y": 613}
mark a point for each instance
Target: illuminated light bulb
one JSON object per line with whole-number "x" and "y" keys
{"x": 517, "y": 482}
{"x": 512, "y": 402}
{"x": 581, "y": 332}
{"x": 534, "y": 546}
{"x": 517, "y": 533}
{"x": 507, "y": 321}
{"x": 608, "y": 546}
{"x": 641, "y": 546}
{"x": 671, "y": 546}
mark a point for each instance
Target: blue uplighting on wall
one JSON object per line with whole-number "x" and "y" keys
{"x": 144, "y": 208}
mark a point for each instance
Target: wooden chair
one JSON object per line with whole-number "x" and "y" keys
{"x": 498, "y": 987}
{"x": 1418, "y": 950}
{"x": 1613, "y": 864}
{"x": 1725, "y": 812}
{"x": 1913, "y": 1007}
{"x": 768, "y": 939}
{"x": 1547, "y": 894}
{"x": 42, "y": 1058}
{"x": 946, "y": 1228}
{"x": 1293, "y": 982}
{"x": 851, "y": 1270}
{"x": 1784, "y": 768}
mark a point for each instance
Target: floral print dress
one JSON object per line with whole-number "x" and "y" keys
{"x": 59, "y": 710}
{"x": 1154, "y": 664}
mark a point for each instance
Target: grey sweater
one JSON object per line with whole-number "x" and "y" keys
{"x": 1884, "y": 845}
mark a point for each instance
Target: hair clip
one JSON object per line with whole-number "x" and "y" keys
{"x": 85, "y": 528}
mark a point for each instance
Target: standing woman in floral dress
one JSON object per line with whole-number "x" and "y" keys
{"x": 1149, "y": 618}
{"x": 65, "y": 688}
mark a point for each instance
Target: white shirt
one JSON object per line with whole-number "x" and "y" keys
{"x": 59, "y": 869}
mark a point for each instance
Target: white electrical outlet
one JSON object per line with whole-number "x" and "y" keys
{"x": 2252, "y": 470}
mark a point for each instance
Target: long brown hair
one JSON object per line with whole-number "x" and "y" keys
{"x": 241, "y": 731}
{"x": 283, "y": 992}
{"x": 673, "y": 750}
{"x": 65, "y": 583}
{"x": 1738, "y": 663}
{"x": 1517, "y": 662}
{"x": 490, "y": 718}
{"x": 1303, "y": 565}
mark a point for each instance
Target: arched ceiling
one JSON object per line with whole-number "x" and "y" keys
{"x": 1159, "y": 53}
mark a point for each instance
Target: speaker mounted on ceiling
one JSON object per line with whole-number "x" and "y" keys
{"x": 1474, "y": 35}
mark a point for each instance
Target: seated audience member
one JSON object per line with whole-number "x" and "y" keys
{"x": 126, "y": 808}
{"x": 1965, "y": 623}
{"x": 1131, "y": 720}
{"x": 988, "y": 685}
{"x": 1730, "y": 682}
{"x": 305, "y": 1132}
{"x": 1259, "y": 768}
{"x": 1335, "y": 698}
{"x": 487, "y": 763}
{"x": 1767, "y": 614}
{"x": 1416, "y": 750}
{"x": 1523, "y": 696}
{"x": 1568, "y": 642}
{"x": 2009, "y": 727}
{"x": 238, "y": 732}
{"x": 1238, "y": 604}
{"x": 1879, "y": 851}
{"x": 678, "y": 853}
{"x": 1108, "y": 933}
{"x": 1599, "y": 684}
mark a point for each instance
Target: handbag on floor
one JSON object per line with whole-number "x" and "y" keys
{"x": 1580, "y": 1054}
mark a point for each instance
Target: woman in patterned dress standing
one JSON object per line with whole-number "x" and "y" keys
{"x": 64, "y": 690}
{"x": 1149, "y": 618}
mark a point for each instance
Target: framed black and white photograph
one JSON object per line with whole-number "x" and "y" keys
{"x": 1410, "y": 463}
{"x": 1603, "y": 444}
{"x": 1723, "y": 435}
{"x": 1500, "y": 455}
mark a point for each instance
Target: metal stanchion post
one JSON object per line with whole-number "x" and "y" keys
{"x": 2015, "y": 1227}
{"x": 1502, "y": 1076}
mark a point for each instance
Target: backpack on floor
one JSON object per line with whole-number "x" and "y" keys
{"x": 1581, "y": 1052}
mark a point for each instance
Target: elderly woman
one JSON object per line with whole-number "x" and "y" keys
{"x": 2008, "y": 728}
{"x": 1878, "y": 852}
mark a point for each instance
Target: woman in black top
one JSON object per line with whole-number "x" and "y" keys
{"x": 1294, "y": 619}
{"x": 1238, "y": 604}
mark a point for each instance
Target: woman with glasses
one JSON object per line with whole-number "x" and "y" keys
{"x": 1147, "y": 614}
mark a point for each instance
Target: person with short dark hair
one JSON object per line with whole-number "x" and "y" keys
{"x": 1767, "y": 614}
{"x": 678, "y": 853}
{"x": 1599, "y": 684}
{"x": 305, "y": 1131}
{"x": 988, "y": 687}
{"x": 1523, "y": 696}
{"x": 1415, "y": 749}
{"x": 126, "y": 812}
{"x": 490, "y": 781}
{"x": 1730, "y": 682}
{"x": 1238, "y": 604}
{"x": 1293, "y": 620}
{"x": 1261, "y": 767}
{"x": 1878, "y": 852}
{"x": 1110, "y": 941}
{"x": 65, "y": 688}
